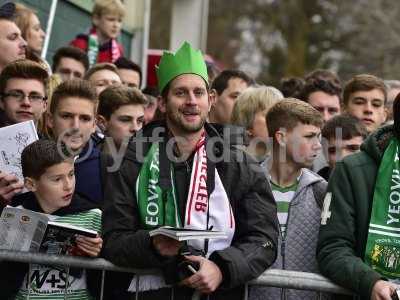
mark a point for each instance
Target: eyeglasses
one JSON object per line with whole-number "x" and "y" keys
{"x": 20, "y": 96}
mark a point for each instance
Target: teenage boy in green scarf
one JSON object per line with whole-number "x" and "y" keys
{"x": 188, "y": 184}
{"x": 359, "y": 238}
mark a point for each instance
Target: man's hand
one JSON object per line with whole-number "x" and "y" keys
{"x": 91, "y": 246}
{"x": 10, "y": 185}
{"x": 166, "y": 246}
{"x": 207, "y": 279}
{"x": 382, "y": 290}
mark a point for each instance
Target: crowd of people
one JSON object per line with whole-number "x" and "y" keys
{"x": 304, "y": 176}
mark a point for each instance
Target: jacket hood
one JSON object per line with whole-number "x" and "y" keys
{"x": 375, "y": 144}
{"x": 307, "y": 178}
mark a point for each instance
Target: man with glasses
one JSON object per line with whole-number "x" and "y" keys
{"x": 22, "y": 98}
{"x": 23, "y": 92}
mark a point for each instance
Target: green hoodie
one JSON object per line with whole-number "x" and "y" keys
{"x": 342, "y": 241}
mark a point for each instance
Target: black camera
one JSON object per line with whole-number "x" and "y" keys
{"x": 179, "y": 268}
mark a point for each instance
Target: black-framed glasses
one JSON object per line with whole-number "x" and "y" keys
{"x": 20, "y": 96}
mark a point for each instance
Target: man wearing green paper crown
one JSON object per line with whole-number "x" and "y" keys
{"x": 182, "y": 173}
{"x": 359, "y": 241}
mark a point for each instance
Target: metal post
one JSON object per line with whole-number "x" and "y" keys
{"x": 319, "y": 296}
{"x": 66, "y": 285}
{"x": 49, "y": 28}
{"x": 145, "y": 41}
{"x": 189, "y": 23}
{"x": 29, "y": 281}
{"x": 137, "y": 287}
{"x": 246, "y": 292}
{"x": 103, "y": 275}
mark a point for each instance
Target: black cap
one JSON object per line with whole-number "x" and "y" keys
{"x": 7, "y": 10}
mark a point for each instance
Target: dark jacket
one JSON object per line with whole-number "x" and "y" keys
{"x": 342, "y": 241}
{"x": 12, "y": 273}
{"x": 90, "y": 173}
{"x": 253, "y": 247}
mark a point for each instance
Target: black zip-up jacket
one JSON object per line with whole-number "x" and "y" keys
{"x": 253, "y": 248}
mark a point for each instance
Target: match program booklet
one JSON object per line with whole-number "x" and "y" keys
{"x": 13, "y": 139}
{"x": 184, "y": 234}
{"x": 25, "y": 230}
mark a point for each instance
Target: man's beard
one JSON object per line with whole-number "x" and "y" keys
{"x": 177, "y": 119}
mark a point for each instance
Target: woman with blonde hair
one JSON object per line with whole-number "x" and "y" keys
{"x": 31, "y": 30}
{"x": 249, "y": 112}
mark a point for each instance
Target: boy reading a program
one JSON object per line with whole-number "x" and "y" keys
{"x": 49, "y": 176}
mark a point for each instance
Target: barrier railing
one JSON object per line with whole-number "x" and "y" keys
{"x": 273, "y": 278}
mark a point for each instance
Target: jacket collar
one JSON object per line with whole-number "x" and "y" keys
{"x": 78, "y": 204}
{"x": 377, "y": 142}
{"x": 307, "y": 178}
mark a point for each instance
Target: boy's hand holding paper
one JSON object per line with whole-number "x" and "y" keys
{"x": 10, "y": 185}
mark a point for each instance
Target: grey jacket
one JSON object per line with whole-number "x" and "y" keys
{"x": 297, "y": 251}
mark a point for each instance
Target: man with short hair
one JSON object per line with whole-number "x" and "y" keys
{"x": 225, "y": 89}
{"x": 12, "y": 44}
{"x": 70, "y": 63}
{"x": 343, "y": 135}
{"x": 364, "y": 96}
{"x": 23, "y": 91}
{"x": 103, "y": 75}
{"x": 323, "y": 95}
{"x": 179, "y": 184}
{"x": 22, "y": 98}
{"x": 295, "y": 128}
{"x": 72, "y": 120}
{"x": 120, "y": 114}
{"x": 130, "y": 73}
{"x": 359, "y": 235}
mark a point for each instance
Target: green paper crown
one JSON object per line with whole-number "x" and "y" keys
{"x": 185, "y": 61}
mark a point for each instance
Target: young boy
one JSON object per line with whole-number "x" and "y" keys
{"x": 49, "y": 176}
{"x": 100, "y": 43}
{"x": 344, "y": 135}
{"x": 120, "y": 114}
{"x": 23, "y": 91}
{"x": 103, "y": 75}
{"x": 295, "y": 129}
{"x": 130, "y": 73}
{"x": 70, "y": 63}
{"x": 365, "y": 96}
{"x": 71, "y": 118}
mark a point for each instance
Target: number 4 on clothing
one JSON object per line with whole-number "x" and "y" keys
{"x": 326, "y": 213}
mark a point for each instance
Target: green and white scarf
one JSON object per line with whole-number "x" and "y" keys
{"x": 383, "y": 244}
{"x": 93, "y": 48}
{"x": 157, "y": 207}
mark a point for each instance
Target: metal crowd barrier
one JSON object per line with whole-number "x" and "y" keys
{"x": 273, "y": 278}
